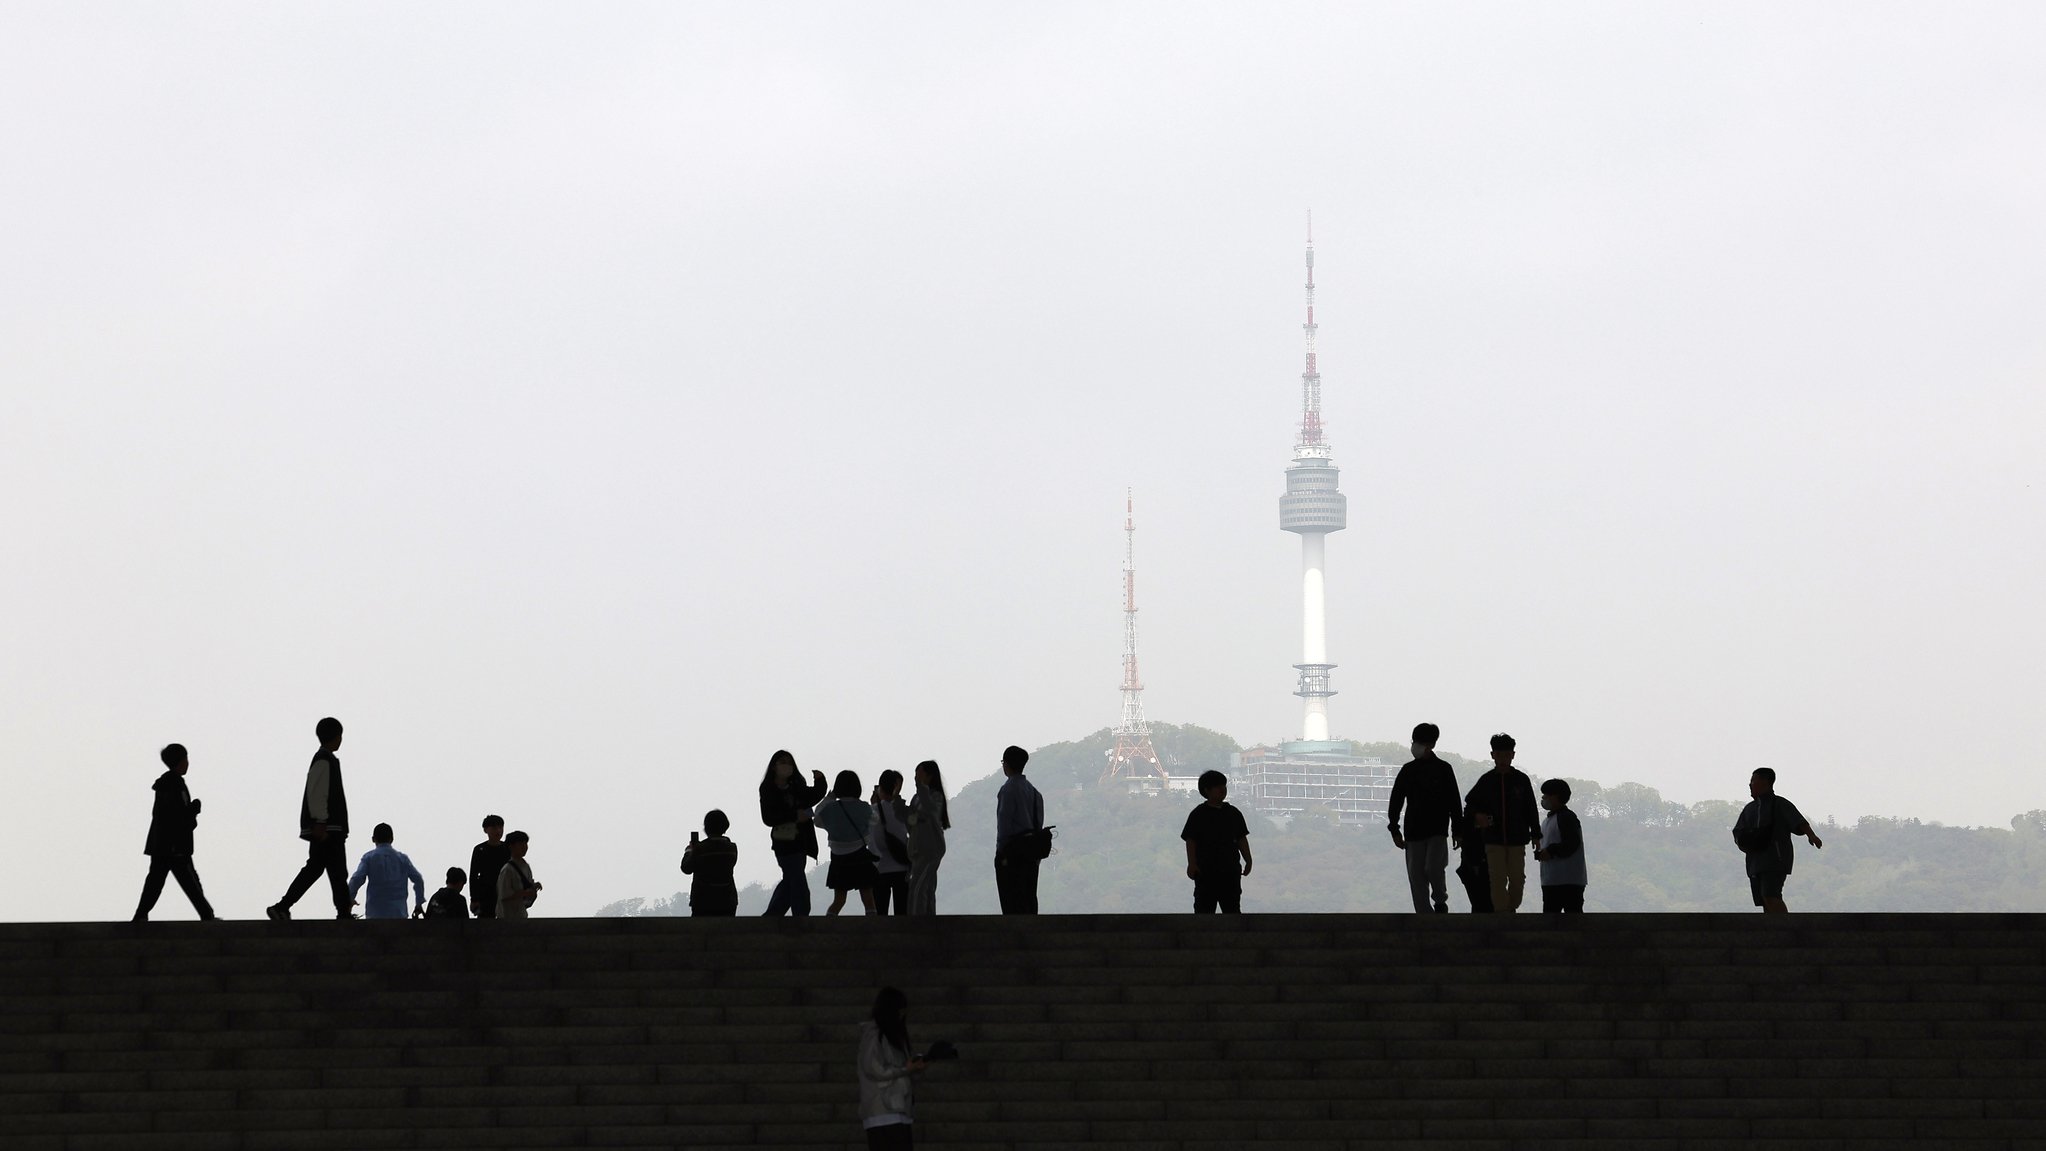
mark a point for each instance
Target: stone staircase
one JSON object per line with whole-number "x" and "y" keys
{"x": 1145, "y": 1033}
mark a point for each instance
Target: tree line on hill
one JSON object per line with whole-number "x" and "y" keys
{"x": 1116, "y": 852}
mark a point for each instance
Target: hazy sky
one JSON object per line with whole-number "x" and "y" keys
{"x": 583, "y": 402}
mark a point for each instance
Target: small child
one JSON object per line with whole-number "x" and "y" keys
{"x": 709, "y": 862}
{"x": 1216, "y": 837}
{"x": 1561, "y": 852}
{"x": 448, "y": 903}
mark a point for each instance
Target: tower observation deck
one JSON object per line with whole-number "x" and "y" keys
{"x": 1312, "y": 507}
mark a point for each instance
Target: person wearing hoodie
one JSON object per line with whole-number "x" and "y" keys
{"x": 886, "y": 1065}
{"x": 172, "y": 819}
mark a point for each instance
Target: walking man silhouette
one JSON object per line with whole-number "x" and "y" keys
{"x": 171, "y": 822}
{"x": 323, "y": 824}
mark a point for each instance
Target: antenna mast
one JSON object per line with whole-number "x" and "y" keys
{"x": 1133, "y": 757}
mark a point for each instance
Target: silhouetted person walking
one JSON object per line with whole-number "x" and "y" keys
{"x": 785, "y": 803}
{"x": 930, "y": 817}
{"x": 486, "y": 860}
{"x": 173, "y": 817}
{"x": 1502, "y": 813}
{"x": 386, "y": 870}
{"x": 709, "y": 862}
{"x": 1019, "y": 824}
{"x": 1217, "y": 848}
{"x": 1472, "y": 873}
{"x": 1561, "y": 852}
{"x": 1426, "y": 788}
{"x": 888, "y": 839}
{"x": 323, "y": 824}
{"x": 516, "y": 889}
{"x": 885, "y": 1064}
{"x": 1764, "y": 832}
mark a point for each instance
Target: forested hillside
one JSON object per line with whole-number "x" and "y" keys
{"x": 1122, "y": 853}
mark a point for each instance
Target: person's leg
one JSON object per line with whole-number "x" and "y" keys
{"x": 152, "y": 886}
{"x": 337, "y": 874}
{"x": 882, "y": 891}
{"x": 1005, "y": 886}
{"x": 188, "y": 881}
{"x": 890, "y": 1137}
{"x": 1477, "y": 883}
{"x": 1573, "y": 899}
{"x": 1552, "y": 899}
{"x": 1026, "y": 885}
{"x": 1516, "y": 876}
{"x": 1436, "y": 869}
{"x": 1231, "y": 898}
{"x": 798, "y": 870}
{"x": 1772, "y": 894}
{"x": 837, "y": 902}
{"x": 1417, "y": 873}
{"x": 867, "y": 900}
{"x": 315, "y": 866}
{"x": 779, "y": 899}
{"x": 1496, "y": 867}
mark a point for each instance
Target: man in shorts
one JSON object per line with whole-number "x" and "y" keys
{"x": 1764, "y": 832}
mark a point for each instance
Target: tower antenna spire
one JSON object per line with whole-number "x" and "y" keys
{"x": 1133, "y": 758}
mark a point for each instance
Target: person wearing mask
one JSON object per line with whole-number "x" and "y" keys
{"x": 1426, "y": 789}
{"x": 785, "y": 803}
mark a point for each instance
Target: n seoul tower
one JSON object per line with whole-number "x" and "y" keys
{"x": 1312, "y": 508}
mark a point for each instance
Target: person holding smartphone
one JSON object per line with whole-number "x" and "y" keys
{"x": 709, "y": 861}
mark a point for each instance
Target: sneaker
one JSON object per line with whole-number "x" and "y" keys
{"x": 345, "y": 916}
{"x": 278, "y": 912}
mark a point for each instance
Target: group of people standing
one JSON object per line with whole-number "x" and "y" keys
{"x": 1492, "y": 825}
{"x": 885, "y": 848}
{"x": 500, "y": 881}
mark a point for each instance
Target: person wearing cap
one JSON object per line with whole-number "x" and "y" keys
{"x": 516, "y": 889}
{"x": 386, "y": 870}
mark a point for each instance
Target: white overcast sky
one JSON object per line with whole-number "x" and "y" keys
{"x": 582, "y": 402}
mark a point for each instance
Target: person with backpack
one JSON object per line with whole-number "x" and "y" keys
{"x": 846, "y": 819}
{"x": 1763, "y": 832}
{"x": 1502, "y": 811}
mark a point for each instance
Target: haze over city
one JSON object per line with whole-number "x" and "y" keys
{"x": 583, "y": 403}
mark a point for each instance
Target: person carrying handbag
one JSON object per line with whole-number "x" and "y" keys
{"x": 785, "y": 803}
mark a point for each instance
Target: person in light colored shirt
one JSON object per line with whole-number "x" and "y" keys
{"x": 386, "y": 870}
{"x": 516, "y": 890}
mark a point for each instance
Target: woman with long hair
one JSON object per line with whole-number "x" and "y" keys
{"x": 885, "y": 1066}
{"x": 785, "y": 803}
{"x": 930, "y": 817}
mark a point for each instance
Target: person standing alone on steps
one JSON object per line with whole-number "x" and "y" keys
{"x": 172, "y": 819}
{"x": 1217, "y": 848}
{"x": 1426, "y": 788}
{"x": 1763, "y": 832}
{"x": 323, "y": 824}
{"x": 785, "y": 803}
{"x": 1502, "y": 812}
{"x": 1019, "y": 824}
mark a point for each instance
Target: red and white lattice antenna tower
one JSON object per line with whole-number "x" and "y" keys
{"x": 1133, "y": 756}
{"x": 1310, "y": 380}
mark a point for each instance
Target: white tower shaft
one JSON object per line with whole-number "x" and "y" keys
{"x": 1312, "y": 507}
